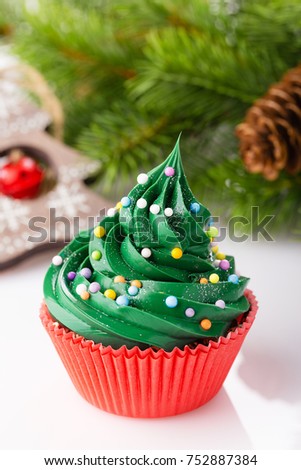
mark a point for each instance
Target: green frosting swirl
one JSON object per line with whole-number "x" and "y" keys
{"x": 150, "y": 318}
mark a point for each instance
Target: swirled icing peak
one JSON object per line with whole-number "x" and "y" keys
{"x": 149, "y": 274}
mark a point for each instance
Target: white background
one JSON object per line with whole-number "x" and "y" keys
{"x": 259, "y": 406}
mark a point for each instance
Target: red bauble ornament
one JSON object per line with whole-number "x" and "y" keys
{"x": 21, "y": 178}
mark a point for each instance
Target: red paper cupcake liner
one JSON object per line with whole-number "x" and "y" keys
{"x": 148, "y": 383}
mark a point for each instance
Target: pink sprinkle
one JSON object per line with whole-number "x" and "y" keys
{"x": 224, "y": 264}
{"x": 169, "y": 171}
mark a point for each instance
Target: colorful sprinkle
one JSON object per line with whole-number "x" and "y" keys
{"x": 118, "y": 205}
{"x": 177, "y": 253}
{"x": 99, "y": 231}
{"x": 142, "y": 178}
{"x": 86, "y": 272}
{"x": 125, "y": 201}
{"x": 136, "y": 283}
{"x": 206, "y": 324}
{"x": 110, "y": 294}
{"x": 212, "y": 232}
{"x": 133, "y": 290}
{"x": 171, "y": 301}
{"x": 146, "y": 253}
{"x": 57, "y": 260}
{"x": 214, "y": 249}
{"x": 96, "y": 254}
{"x": 221, "y": 256}
{"x": 85, "y": 295}
{"x": 154, "y": 209}
{"x": 169, "y": 171}
{"x": 122, "y": 300}
{"x": 119, "y": 279}
{"x": 220, "y": 303}
{"x": 233, "y": 278}
{"x": 168, "y": 211}
{"x": 214, "y": 278}
{"x": 224, "y": 264}
{"x": 189, "y": 312}
{"x": 111, "y": 212}
{"x": 216, "y": 263}
{"x": 71, "y": 275}
{"x": 203, "y": 280}
{"x": 80, "y": 288}
{"x": 195, "y": 207}
{"x": 94, "y": 287}
{"x": 141, "y": 203}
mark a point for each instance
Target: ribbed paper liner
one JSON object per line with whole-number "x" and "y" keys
{"x": 147, "y": 384}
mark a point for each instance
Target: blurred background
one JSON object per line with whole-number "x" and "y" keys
{"x": 131, "y": 75}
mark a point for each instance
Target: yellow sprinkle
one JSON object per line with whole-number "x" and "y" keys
{"x": 96, "y": 254}
{"x": 177, "y": 253}
{"x": 214, "y": 278}
{"x": 206, "y": 324}
{"x": 110, "y": 293}
{"x": 99, "y": 231}
{"x": 214, "y": 249}
{"x": 220, "y": 256}
{"x": 118, "y": 205}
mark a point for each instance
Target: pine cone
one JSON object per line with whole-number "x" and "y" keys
{"x": 270, "y": 136}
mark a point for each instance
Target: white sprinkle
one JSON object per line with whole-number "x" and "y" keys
{"x": 57, "y": 260}
{"x": 81, "y": 288}
{"x": 154, "y": 209}
{"x": 168, "y": 211}
{"x": 111, "y": 212}
{"x": 217, "y": 262}
{"x": 146, "y": 252}
{"x": 220, "y": 303}
{"x": 142, "y": 178}
{"x": 141, "y": 203}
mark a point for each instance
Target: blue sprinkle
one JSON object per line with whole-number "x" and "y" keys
{"x": 233, "y": 278}
{"x": 195, "y": 207}
{"x": 122, "y": 300}
{"x": 133, "y": 290}
{"x": 125, "y": 201}
{"x": 171, "y": 301}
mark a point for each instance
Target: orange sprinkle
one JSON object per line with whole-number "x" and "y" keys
{"x": 136, "y": 283}
{"x": 203, "y": 280}
{"x": 206, "y": 324}
{"x": 85, "y": 295}
{"x": 119, "y": 279}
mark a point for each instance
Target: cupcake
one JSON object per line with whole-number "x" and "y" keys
{"x": 145, "y": 312}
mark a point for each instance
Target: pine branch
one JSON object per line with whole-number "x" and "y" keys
{"x": 192, "y": 75}
{"x": 139, "y": 138}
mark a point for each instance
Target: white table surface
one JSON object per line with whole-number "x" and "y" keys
{"x": 259, "y": 406}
